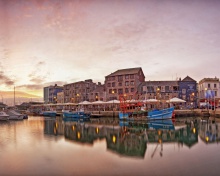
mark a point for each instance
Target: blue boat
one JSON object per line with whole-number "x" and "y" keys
{"x": 125, "y": 115}
{"x": 161, "y": 114}
{"x": 49, "y": 113}
{"x": 76, "y": 115}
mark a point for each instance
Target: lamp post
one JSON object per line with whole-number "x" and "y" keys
{"x": 77, "y": 97}
{"x": 113, "y": 113}
{"x": 206, "y": 97}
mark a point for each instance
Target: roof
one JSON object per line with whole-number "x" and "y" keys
{"x": 188, "y": 79}
{"x": 209, "y": 80}
{"x": 126, "y": 71}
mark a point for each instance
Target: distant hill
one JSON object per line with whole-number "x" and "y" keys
{"x": 8, "y": 97}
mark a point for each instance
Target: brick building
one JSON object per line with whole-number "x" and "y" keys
{"x": 78, "y": 91}
{"x": 98, "y": 93}
{"x": 124, "y": 81}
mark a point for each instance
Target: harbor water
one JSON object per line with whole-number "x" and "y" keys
{"x": 105, "y": 146}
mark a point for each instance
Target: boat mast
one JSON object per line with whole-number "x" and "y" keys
{"x": 14, "y": 95}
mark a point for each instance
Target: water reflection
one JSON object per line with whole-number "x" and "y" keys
{"x": 126, "y": 138}
{"x": 209, "y": 131}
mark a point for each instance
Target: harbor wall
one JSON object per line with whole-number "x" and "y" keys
{"x": 178, "y": 113}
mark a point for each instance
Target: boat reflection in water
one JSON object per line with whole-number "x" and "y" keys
{"x": 124, "y": 138}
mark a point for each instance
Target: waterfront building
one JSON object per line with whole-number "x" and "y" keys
{"x": 98, "y": 94}
{"x": 50, "y": 93}
{"x": 78, "y": 91}
{"x": 188, "y": 91}
{"x": 163, "y": 90}
{"x": 60, "y": 97}
{"x": 209, "y": 90}
{"x": 123, "y": 81}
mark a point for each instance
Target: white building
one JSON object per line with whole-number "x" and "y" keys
{"x": 209, "y": 89}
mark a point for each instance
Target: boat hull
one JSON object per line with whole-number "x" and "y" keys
{"x": 49, "y": 113}
{"x": 161, "y": 114}
{"x": 124, "y": 116}
{"x": 4, "y": 116}
{"x": 13, "y": 115}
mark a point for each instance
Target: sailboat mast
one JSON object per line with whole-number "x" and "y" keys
{"x": 14, "y": 95}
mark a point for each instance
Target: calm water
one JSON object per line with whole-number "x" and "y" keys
{"x": 45, "y": 146}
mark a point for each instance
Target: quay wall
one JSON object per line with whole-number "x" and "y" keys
{"x": 178, "y": 113}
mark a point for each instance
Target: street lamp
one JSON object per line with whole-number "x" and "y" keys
{"x": 77, "y": 97}
{"x": 206, "y": 97}
{"x": 113, "y": 92}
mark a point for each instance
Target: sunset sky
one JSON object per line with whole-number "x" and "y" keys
{"x": 43, "y": 42}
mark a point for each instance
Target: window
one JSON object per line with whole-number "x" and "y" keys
{"x": 132, "y": 89}
{"x": 132, "y": 76}
{"x": 109, "y": 84}
{"x": 214, "y": 85}
{"x": 216, "y": 94}
{"x": 120, "y": 91}
{"x": 114, "y": 91}
{"x": 209, "y": 86}
{"x": 183, "y": 91}
{"x": 126, "y": 90}
{"x": 175, "y": 88}
{"x": 126, "y": 76}
{"x": 150, "y": 88}
{"x": 132, "y": 83}
{"x": 110, "y": 91}
{"x": 113, "y": 78}
{"x": 126, "y": 83}
{"x": 113, "y": 84}
{"x": 167, "y": 88}
{"x": 120, "y": 84}
{"x": 120, "y": 78}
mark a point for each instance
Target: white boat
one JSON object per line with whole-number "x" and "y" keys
{"x": 4, "y": 116}
{"x": 13, "y": 115}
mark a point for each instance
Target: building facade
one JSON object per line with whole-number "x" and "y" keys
{"x": 78, "y": 91}
{"x": 60, "y": 97}
{"x": 163, "y": 90}
{"x": 98, "y": 94}
{"x": 50, "y": 93}
{"x": 123, "y": 82}
{"x": 188, "y": 91}
{"x": 209, "y": 90}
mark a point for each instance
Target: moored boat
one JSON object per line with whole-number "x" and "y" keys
{"x": 160, "y": 113}
{"x": 4, "y": 116}
{"x": 13, "y": 115}
{"x": 49, "y": 113}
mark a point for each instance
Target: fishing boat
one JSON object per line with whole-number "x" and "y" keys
{"x": 160, "y": 113}
{"x": 79, "y": 115}
{"x": 4, "y": 116}
{"x": 129, "y": 111}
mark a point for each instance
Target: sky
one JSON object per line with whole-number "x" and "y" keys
{"x": 43, "y": 42}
